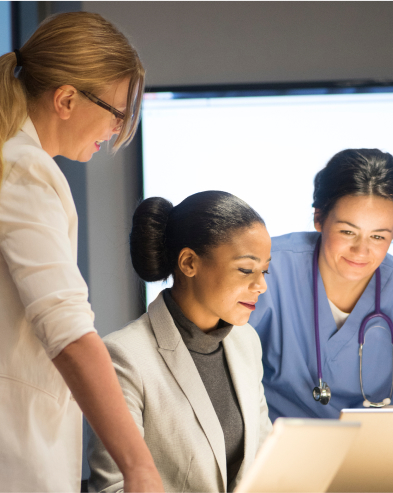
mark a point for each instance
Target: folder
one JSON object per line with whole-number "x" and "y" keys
{"x": 368, "y": 466}
{"x": 300, "y": 455}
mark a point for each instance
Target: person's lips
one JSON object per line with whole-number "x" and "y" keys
{"x": 98, "y": 143}
{"x": 355, "y": 264}
{"x": 248, "y": 304}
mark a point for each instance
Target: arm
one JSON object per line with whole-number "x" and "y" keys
{"x": 88, "y": 371}
{"x": 38, "y": 243}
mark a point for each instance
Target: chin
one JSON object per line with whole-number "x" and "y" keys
{"x": 78, "y": 158}
{"x": 356, "y": 276}
{"x": 240, "y": 320}
{"x": 81, "y": 155}
{"x": 83, "y": 159}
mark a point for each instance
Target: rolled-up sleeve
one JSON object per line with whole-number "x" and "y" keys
{"x": 37, "y": 214}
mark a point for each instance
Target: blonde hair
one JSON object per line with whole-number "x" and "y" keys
{"x": 77, "y": 48}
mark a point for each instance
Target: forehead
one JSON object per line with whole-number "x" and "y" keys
{"x": 254, "y": 241}
{"x": 362, "y": 210}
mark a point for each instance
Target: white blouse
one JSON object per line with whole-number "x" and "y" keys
{"x": 43, "y": 308}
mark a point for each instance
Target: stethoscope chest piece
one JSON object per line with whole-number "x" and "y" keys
{"x": 322, "y": 393}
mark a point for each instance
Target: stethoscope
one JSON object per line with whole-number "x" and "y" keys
{"x": 322, "y": 393}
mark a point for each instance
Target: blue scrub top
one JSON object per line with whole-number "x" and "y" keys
{"x": 284, "y": 320}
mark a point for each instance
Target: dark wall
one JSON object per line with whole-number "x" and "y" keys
{"x": 241, "y": 41}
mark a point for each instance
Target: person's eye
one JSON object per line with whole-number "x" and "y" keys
{"x": 265, "y": 272}
{"x": 245, "y": 271}
{"x": 346, "y": 232}
{"x": 378, "y": 237}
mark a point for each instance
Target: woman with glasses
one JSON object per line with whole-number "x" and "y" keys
{"x": 73, "y": 85}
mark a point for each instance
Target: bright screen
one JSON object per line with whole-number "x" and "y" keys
{"x": 266, "y": 149}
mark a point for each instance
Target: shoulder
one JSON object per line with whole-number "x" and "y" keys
{"x": 34, "y": 188}
{"x": 386, "y": 269}
{"x": 290, "y": 278}
{"x": 24, "y": 157}
{"x": 387, "y": 262}
{"x": 303, "y": 242}
{"x": 291, "y": 254}
{"x": 137, "y": 333}
{"x": 135, "y": 344}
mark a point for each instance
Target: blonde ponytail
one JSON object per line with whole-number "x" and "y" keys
{"x": 77, "y": 48}
{"x": 13, "y": 105}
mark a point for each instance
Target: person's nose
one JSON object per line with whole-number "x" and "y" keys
{"x": 259, "y": 285}
{"x": 361, "y": 247}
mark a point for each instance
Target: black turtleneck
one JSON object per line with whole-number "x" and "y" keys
{"x": 207, "y": 351}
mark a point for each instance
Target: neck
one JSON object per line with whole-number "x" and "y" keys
{"x": 46, "y": 125}
{"x": 193, "y": 309}
{"x": 342, "y": 292}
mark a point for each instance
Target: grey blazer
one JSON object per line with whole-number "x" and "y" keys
{"x": 172, "y": 409}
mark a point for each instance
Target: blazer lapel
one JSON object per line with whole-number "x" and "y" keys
{"x": 239, "y": 370}
{"x": 179, "y": 361}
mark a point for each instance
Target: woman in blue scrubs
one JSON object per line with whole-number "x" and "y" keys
{"x": 353, "y": 201}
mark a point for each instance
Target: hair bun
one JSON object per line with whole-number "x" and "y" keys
{"x": 147, "y": 239}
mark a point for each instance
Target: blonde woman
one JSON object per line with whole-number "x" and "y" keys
{"x": 78, "y": 82}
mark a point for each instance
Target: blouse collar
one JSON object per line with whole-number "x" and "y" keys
{"x": 29, "y": 129}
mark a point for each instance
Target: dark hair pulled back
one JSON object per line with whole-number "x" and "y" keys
{"x": 202, "y": 221}
{"x": 353, "y": 172}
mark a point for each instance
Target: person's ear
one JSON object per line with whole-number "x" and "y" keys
{"x": 187, "y": 262}
{"x": 64, "y": 100}
{"x": 317, "y": 220}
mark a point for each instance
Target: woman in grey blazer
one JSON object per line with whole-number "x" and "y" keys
{"x": 190, "y": 368}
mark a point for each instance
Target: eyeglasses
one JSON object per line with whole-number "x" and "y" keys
{"x": 118, "y": 114}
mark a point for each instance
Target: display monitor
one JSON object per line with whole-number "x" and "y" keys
{"x": 262, "y": 143}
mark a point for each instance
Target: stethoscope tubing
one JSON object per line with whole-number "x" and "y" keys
{"x": 316, "y": 315}
{"x": 376, "y": 313}
{"x": 361, "y": 336}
